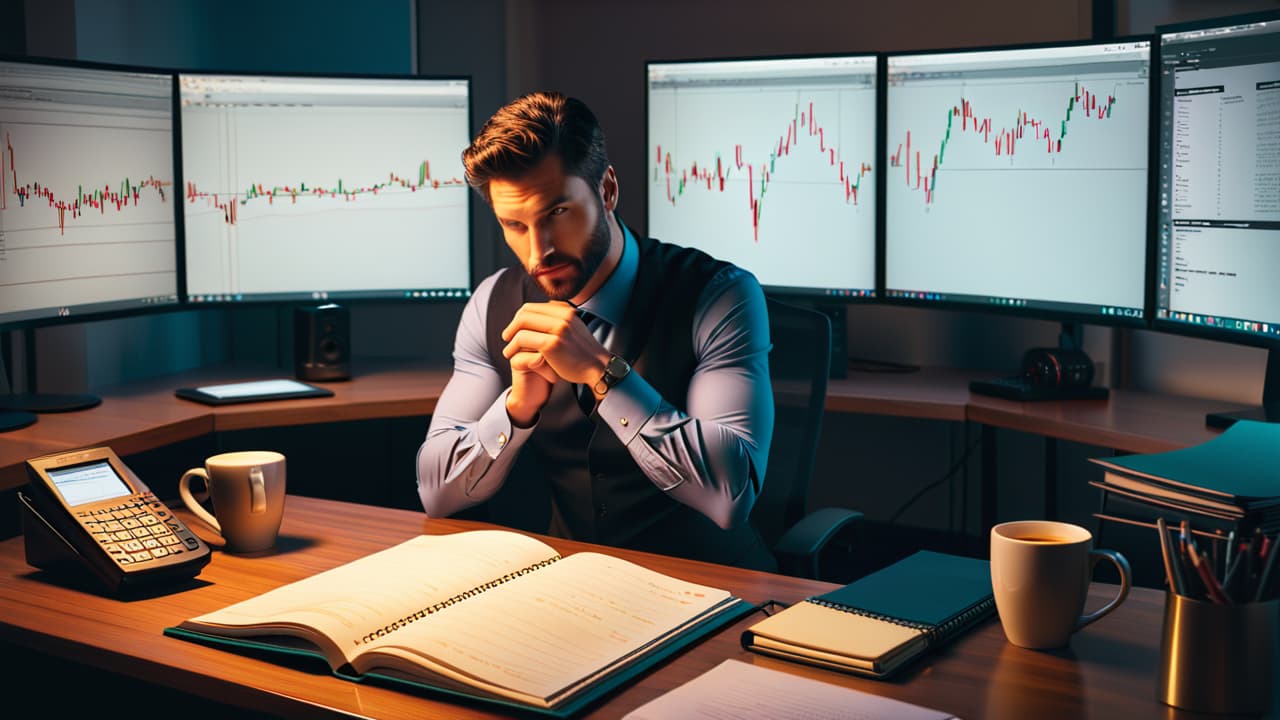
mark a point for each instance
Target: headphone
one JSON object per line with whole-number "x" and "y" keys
{"x": 1057, "y": 367}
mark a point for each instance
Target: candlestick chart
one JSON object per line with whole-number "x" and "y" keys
{"x": 351, "y": 197}
{"x": 86, "y": 191}
{"x": 1017, "y": 183}
{"x": 779, "y": 180}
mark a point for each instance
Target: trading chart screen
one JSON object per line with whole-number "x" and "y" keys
{"x": 86, "y": 191}
{"x": 324, "y": 188}
{"x": 1018, "y": 178}
{"x": 769, "y": 164}
{"x": 1219, "y": 152}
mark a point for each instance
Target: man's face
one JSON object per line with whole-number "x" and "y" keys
{"x": 555, "y": 224}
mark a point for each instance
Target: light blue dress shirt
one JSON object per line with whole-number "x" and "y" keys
{"x": 711, "y": 457}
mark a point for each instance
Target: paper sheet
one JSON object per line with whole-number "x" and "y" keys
{"x": 741, "y": 691}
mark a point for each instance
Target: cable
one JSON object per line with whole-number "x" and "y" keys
{"x": 955, "y": 467}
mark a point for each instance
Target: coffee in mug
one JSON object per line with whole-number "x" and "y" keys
{"x": 247, "y": 489}
{"x": 1040, "y": 576}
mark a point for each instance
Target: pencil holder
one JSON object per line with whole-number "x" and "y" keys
{"x": 1218, "y": 658}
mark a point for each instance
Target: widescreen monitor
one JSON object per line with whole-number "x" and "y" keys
{"x": 87, "y": 194}
{"x": 770, "y": 164}
{"x": 1017, "y": 180}
{"x": 311, "y": 188}
{"x": 1218, "y": 250}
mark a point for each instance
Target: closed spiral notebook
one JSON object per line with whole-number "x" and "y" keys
{"x": 880, "y": 623}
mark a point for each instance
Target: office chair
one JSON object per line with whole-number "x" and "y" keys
{"x": 799, "y": 365}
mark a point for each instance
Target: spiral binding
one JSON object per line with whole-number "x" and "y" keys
{"x": 412, "y": 617}
{"x": 934, "y": 633}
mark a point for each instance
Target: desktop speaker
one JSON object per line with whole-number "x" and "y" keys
{"x": 322, "y": 343}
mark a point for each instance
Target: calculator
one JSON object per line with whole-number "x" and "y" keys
{"x": 85, "y": 510}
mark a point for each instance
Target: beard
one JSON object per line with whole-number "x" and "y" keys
{"x": 585, "y": 267}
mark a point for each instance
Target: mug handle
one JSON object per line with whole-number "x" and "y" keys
{"x": 257, "y": 491}
{"x": 1126, "y": 579}
{"x": 184, "y": 491}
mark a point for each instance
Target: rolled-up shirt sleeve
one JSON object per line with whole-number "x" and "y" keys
{"x": 711, "y": 457}
{"x": 470, "y": 442}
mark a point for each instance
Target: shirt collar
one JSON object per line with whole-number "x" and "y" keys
{"x": 610, "y": 302}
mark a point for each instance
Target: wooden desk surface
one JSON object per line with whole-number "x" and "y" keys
{"x": 145, "y": 415}
{"x": 1108, "y": 671}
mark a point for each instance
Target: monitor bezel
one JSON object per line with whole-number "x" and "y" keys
{"x": 808, "y": 295}
{"x": 1034, "y": 312}
{"x": 357, "y": 298}
{"x": 96, "y": 311}
{"x": 1167, "y": 325}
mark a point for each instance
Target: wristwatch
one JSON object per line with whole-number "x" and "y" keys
{"x": 614, "y": 371}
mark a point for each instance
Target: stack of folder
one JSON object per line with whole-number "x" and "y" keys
{"x": 1231, "y": 482}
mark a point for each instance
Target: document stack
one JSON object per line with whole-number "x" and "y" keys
{"x": 1230, "y": 483}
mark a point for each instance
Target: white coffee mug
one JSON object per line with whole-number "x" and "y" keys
{"x": 1040, "y": 575}
{"x": 248, "y": 490}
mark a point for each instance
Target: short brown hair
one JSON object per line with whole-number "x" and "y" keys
{"x": 521, "y": 134}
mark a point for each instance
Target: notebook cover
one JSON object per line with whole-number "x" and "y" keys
{"x": 927, "y": 588}
{"x": 1242, "y": 465}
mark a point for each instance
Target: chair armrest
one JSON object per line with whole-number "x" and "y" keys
{"x": 802, "y": 543}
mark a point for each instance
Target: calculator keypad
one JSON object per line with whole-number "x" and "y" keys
{"x": 138, "y": 529}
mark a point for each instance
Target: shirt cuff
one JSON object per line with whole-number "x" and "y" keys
{"x": 495, "y": 430}
{"x": 628, "y": 406}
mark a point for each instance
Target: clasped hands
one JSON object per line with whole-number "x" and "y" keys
{"x": 547, "y": 343}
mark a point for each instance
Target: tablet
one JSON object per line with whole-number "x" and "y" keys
{"x": 254, "y": 391}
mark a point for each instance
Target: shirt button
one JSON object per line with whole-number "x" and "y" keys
{"x": 502, "y": 439}
{"x": 622, "y": 421}
{"x": 602, "y": 510}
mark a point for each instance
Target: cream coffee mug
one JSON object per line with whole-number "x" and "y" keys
{"x": 1040, "y": 575}
{"x": 247, "y": 490}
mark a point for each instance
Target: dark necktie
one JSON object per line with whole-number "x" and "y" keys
{"x": 587, "y": 399}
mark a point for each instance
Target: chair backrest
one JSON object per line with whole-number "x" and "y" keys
{"x": 799, "y": 365}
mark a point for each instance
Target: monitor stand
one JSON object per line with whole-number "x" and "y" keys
{"x": 1023, "y": 386}
{"x": 40, "y": 402}
{"x": 1269, "y": 411}
{"x": 15, "y": 420}
{"x": 841, "y": 362}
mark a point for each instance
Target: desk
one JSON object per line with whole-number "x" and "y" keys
{"x": 1108, "y": 671}
{"x": 146, "y": 415}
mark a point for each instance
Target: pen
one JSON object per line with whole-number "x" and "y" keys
{"x": 1226, "y": 560}
{"x": 1201, "y": 562}
{"x": 1267, "y": 566}
{"x": 1228, "y": 582}
{"x": 1171, "y": 563}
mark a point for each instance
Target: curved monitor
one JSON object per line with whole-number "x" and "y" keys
{"x": 1017, "y": 180}
{"x": 87, "y": 194}
{"x": 769, "y": 164}
{"x": 1219, "y": 175}
{"x": 324, "y": 188}
{"x": 1219, "y": 188}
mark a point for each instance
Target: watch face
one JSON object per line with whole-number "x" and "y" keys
{"x": 617, "y": 368}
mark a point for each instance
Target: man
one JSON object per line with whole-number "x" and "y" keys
{"x": 627, "y": 377}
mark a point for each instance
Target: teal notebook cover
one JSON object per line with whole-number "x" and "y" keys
{"x": 624, "y": 675}
{"x": 1242, "y": 465}
{"x": 936, "y": 591}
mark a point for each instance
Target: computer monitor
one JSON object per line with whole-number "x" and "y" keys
{"x": 87, "y": 198}
{"x": 1017, "y": 181}
{"x": 1219, "y": 189}
{"x": 769, "y": 163}
{"x": 324, "y": 188}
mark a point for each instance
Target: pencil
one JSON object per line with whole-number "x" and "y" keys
{"x": 1170, "y": 562}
